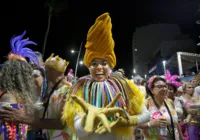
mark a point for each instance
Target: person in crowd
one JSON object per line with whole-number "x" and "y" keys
{"x": 41, "y": 89}
{"x": 192, "y": 108}
{"x": 164, "y": 120}
{"x": 17, "y": 88}
{"x": 173, "y": 83}
{"x": 51, "y": 119}
{"x": 103, "y": 105}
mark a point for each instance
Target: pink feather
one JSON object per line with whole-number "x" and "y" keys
{"x": 177, "y": 84}
{"x": 173, "y": 77}
{"x": 70, "y": 72}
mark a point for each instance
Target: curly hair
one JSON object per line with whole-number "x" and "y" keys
{"x": 16, "y": 78}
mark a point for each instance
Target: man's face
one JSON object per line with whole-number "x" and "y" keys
{"x": 49, "y": 73}
{"x": 194, "y": 82}
{"x": 38, "y": 80}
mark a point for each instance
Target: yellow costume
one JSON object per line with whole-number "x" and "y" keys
{"x": 100, "y": 44}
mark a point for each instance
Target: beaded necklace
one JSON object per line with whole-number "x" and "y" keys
{"x": 13, "y": 131}
{"x": 100, "y": 94}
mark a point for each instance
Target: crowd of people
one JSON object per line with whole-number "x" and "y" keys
{"x": 173, "y": 103}
{"x": 38, "y": 101}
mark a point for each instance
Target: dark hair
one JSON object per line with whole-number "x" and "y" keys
{"x": 173, "y": 86}
{"x": 148, "y": 90}
{"x": 143, "y": 81}
{"x": 40, "y": 69}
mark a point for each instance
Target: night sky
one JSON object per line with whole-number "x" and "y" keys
{"x": 70, "y": 25}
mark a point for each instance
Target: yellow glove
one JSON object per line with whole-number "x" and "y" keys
{"x": 94, "y": 115}
{"x": 120, "y": 122}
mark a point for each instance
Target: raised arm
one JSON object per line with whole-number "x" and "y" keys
{"x": 15, "y": 115}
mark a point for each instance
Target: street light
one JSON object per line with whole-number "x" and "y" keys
{"x": 134, "y": 71}
{"x": 81, "y": 62}
{"x": 77, "y": 61}
{"x": 72, "y": 51}
{"x": 164, "y": 67}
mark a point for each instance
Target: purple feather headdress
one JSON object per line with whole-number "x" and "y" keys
{"x": 19, "y": 51}
{"x": 172, "y": 79}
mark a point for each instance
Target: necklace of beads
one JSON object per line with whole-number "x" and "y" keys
{"x": 13, "y": 131}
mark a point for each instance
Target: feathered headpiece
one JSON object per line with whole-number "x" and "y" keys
{"x": 172, "y": 79}
{"x": 151, "y": 81}
{"x": 70, "y": 72}
{"x": 19, "y": 51}
{"x": 70, "y": 76}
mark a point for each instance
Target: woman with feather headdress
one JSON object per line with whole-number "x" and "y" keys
{"x": 17, "y": 88}
{"x": 173, "y": 83}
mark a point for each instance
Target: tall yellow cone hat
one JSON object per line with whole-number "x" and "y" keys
{"x": 100, "y": 43}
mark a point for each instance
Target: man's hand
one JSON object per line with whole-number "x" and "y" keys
{"x": 187, "y": 120}
{"x": 159, "y": 122}
{"x": 12, "y": 115}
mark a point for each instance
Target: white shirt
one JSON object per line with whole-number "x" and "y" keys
{"x": 82, "y": 135}
{"x": 197, "y": 91}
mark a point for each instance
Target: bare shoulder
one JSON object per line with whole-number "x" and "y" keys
{"x": 8, "y": 97}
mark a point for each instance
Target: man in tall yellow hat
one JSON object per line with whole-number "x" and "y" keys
{"x": 103, "y": 105}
